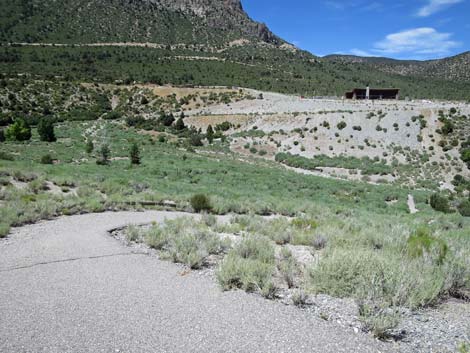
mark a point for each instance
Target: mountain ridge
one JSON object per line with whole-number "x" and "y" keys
{"x": 454, "y": 67}
{"x": 195, "y": 42}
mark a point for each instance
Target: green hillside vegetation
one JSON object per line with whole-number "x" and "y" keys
{"x": 271, "y": 70}
{"x": 183, "y": 49}
{"x": 454, "y": 68}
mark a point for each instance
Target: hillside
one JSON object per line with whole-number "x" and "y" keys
{"x": 184, "y": 42}
{"x": 156, "y": 21}
{"x": 452, "y": 68}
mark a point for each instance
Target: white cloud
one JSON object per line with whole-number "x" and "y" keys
{"x": 419, "y": 42}
{"x": 434, "y": 6}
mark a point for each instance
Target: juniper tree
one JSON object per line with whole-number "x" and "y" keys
{"x": 210, "y": 134}
{"x": 46, "y": 130}
{"x": 135, "y": 154}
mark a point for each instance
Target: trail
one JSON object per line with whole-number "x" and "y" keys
{"x": 67, "y": 286}
{"x": 411, "y": 204}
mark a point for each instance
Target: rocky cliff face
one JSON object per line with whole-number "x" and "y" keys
{"x": 225, "y": 14}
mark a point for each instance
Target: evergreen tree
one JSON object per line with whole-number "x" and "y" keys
{"x": 135, "y": 154}
{"x": 46, "y": 130}
{"x": 18, "y": 131}
{"x": 180, "y": 124}
{"x": 89, "y": 146}
{"x": 104, "y": 155}
{"x": 210, "y": 134}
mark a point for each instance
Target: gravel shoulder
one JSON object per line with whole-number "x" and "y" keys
{"x": 69, "y": 287}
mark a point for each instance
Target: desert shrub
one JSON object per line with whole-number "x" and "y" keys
{"x": 156, "y": 238}
{"x": 47, "y": 159}
{"x": 288, "y": 267}
{"x": 341, "y": 125}
{"x": 225, "y": 126}
{"x": 378, "y": 276}
{"x": 4, "y": 230}
{"x": 465, "y": 155}
{"x": 304, "y": 223}
{"x": 185, "y": 242}
{"x": 113, "y": 115}
{"x": 200, "y": 203}
{"x": 448, "y": 127}
{"x": 132, "y": 233}
{"x": 187, "y": 249}
{"x": 319, "y": 242}
{"x": 422, "y": 243}
{"x": 378, "y": 320}
{"x": 464, "y": 208}
{"x": 299, "y": 298}
{"x": 439, "y": 203}
{"x": 134, "y": 153}
{"x": 250, "y": 266}
{"x": 18, "y": 131}
{"x": 5, "y": 156}
{"x": 195, "y": 140}
{"x": 46, "y": 130}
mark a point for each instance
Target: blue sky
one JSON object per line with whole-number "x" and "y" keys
{"x": 413, "y": 29}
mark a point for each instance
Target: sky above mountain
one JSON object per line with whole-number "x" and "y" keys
{"x": 401, "y": 29}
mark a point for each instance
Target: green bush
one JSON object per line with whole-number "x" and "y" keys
{"x": 341, "y": 125}
{"x": 195, "y": 140}
{"x": 18, "y": 131}
{"x": 249, "y": 266}
{"x": 113, "y": 115}
{"x": 378, "y": 276}
{"x": 464, "y": 208}
{"x": 439, "y": 203}
{"x": 46, "y": 130}
{"x": 422, "y": 243}
{"x": 379, "y": 321}
{"x": 4, "y": 230}
{"x": 5, "y": 156}
{"x": 47, "y": 159}
{"x": 200, "y": 203}
{"x": 184, "y": 241}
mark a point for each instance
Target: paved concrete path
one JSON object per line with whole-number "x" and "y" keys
{"x": 67, "y": 286}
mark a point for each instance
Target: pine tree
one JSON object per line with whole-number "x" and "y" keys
{"x": 135, "y": 154}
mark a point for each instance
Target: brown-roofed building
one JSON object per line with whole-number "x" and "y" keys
{"x": 373, "y": 93}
